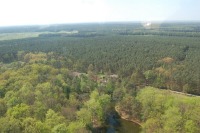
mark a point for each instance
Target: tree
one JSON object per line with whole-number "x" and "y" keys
{"x": 61, "y": 128}
{"x": 93, "y": 114}
{"x": 147, "y": 98}
{"x": 53, "y": 119}
{"x": 130, "y": 106}
{"x": 31, "y": 125}
{"x": 138, "y": 78}
{"x": 11, "y": 99}
{"x": 20, "y": 55}
{"x": 191, "y": 127}
{"x": 3, "y": 107}
{"x": 19, "y": 111}
{"x": 26, "y": 94}
{"x": 109, "y": 87}
{"x": 172, "y": 120}
{"x": 153, "y": 125}
{"x": 76, "y": 127}
{"x": 150, "y": 76}
{"x": 85, "y": 116}
{"x": 118, "y": 94}
{"x": 10, "y": 125}
{"x": 90, "y": 72}
{"x": 90, "y": 69}
{"x": 39, "y": 110}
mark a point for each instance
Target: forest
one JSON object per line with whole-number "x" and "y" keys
{"x": 70, "y": 78}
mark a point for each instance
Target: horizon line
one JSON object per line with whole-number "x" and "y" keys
{"x": 106, "y": 22}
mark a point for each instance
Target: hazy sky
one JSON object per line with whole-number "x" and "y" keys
{"x": 25, "y": 12}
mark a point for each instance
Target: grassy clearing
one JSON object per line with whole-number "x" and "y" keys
{"x": 13, "y": 36}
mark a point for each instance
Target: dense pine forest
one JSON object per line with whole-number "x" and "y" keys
{"x": 71, "y": 78}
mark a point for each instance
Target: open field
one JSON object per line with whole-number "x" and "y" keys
{"x": 23, "y": 35}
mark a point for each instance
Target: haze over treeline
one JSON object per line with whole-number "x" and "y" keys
{"x": 37, "y": 12}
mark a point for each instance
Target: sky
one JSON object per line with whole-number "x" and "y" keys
{"x": 33, "y": 12}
